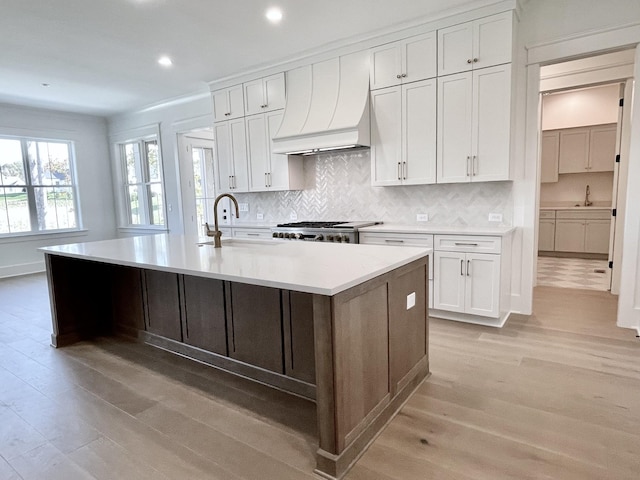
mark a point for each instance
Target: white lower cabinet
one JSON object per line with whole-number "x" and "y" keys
{"x": 547, "y": 235}
{"x": 582, "y": 231}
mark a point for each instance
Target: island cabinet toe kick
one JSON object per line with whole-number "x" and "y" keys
{"x": 358, "y": 354}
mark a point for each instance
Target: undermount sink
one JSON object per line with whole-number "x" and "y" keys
{"x": 242, "y": 242}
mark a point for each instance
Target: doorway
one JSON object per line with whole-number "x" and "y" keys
{"x": 581, "y": 130}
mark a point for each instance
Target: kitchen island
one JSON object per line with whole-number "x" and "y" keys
{"x": 344, "y": 325}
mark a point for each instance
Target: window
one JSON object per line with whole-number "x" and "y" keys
{"x": 203, "y": 182}
{"x": 37, "y": 188}
{"x": 143, "y": 182}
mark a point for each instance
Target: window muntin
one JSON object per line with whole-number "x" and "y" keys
{"x": 37, "y": 188}
{"x": 143, "y": 182}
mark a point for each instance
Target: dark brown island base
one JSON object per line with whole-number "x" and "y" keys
{"x": 358, "y": 353}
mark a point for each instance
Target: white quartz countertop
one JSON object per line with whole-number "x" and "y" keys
{"x": 574, "y": 207}
{"x": 438, "y": 229}
{"x": 311, "y": 267}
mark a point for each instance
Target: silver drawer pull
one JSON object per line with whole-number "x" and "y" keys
{"x": 462, "y": 244}
{"x": 253, "y": 234}
{"x": 393, "y": 241}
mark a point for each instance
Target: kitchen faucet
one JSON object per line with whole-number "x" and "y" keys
{"x": 587, "y": 203}
{"x": 216, "y": 233}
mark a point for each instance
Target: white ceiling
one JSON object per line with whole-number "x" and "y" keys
{"x": 100, "y": 56}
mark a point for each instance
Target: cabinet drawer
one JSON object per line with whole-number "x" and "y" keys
{"x": 584, "y": 214}
{"x": 252, "y": 232}
{"x": 546, "y": 214}
{"x": 402, "y": 240}
{"x": 467, "y": 243}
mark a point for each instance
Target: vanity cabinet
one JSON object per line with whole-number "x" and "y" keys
{"x": 550, "y": 155}
{"x": 403, "y": 134}
{"x": 270, "y": 171}
{"x": 228, "y": 104}
{"x": 474, "y": 126}
{"x": 587, "y": 149}
{"x": 467, "y": 280}
{"x": 405, "y": 61}
{"x": 231, "y": 156}
{"x": 477, "y": 44}
{"x": 264, "y": 94}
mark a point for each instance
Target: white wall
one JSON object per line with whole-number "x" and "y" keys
{"x": 176, "y": 116}
{"x": 570, "y": 189}
{"x": 20, "y": 255}
{"x": 578, "y": 108}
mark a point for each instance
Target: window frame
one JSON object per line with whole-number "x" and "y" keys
{"x": 30, "y": 187}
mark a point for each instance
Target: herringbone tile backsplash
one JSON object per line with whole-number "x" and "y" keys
{"x": 338, "y": 187}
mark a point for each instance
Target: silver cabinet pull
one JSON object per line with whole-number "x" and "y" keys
{"x": 270, "y": 184}
{"x": 404, "y": 75}
{"x": 465, "y": 244}
{"x": 266, "y": 182}
{"x": 468, "y": 60}
{"x": 468, "y": 161}
{"x": 253, "y": 234}
{"x": 468, "y": 269}
{"x": 404, "y": 170}
{"x": 461, "y": 267}
{"x": 398, "y": 76}
{"x": 230, "y": 183}
{"x": 399, "y": 171}
{"x": 475, "y": 60}
{"x": 473, "y": 165}
{"x": 388, "y": 240}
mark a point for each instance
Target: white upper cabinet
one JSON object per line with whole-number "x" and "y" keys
{"x": 602, "y": 148}
{"x": 587, "y": 149}
{"x": 270, "y": 171}
{"x": 228, "y": 104}
{"x": 231, "y": 156}
{"x": 408, "y": 60}
{"x": 550, "y": 151}
{"x": 481, "y": 43}
{"x": 474, "y": 126}
{"x": 264, "y": 94}
{"x": 403, "y": 134}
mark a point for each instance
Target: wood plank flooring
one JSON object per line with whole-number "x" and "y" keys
{"x": 550, "y": 396}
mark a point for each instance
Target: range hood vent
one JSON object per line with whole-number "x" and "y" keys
{"x": 327, "y": 107}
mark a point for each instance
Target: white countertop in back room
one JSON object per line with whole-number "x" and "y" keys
{"x": 312, "y": 267}
{"x": 438, "y": 229}
{"x": 573, "y": 206}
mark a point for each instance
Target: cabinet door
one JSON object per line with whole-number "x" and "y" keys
{"x": 223, "y": 157}
{"x": 285, "y": 171}
{"x": 569, "y": 235}
{"x": 257, "y": 154}
{"x": 385, "y": 66}
{"x": 482, "y": 289}
{"x": 602, "y": 148}
{"x": 127, "y": 307}
{"x": 491, "y": 125}
{"x": 386, "y": 136}
{"x": 455, "y": 49}
{"x": 254, "y": 97}
{"x": 274, "y": 92}
{"x": 299, "y": 345}
{"x": 574, "y": 150}
{"x": 449, "y": 276}
{"x": 546, "y": 235}
{"x": 419, "y": 58}
{"x": 239, "y": 155}
{"x": 407, "y": 325}
{"x": 228, "y": 104}
{"x": 161, "y": 291}
{"x": 255, "y": 339}
{"x": 596, "y": 238}
{"x": 204, "y": 314}
{"x": 492, "y": 40}
{"x": 419, "y": 132}
{"x": 550, "y": 150}
{"x": 454, "y": 128}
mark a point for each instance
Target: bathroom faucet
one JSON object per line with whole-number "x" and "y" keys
{"x": 587, "y": 203}
{"x": 216, "y": 233}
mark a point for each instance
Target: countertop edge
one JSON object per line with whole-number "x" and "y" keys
{"x": 438, "y": 230}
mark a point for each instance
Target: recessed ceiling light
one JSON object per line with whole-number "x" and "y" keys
{"x": 274, "y": 15}
{"x": 165, "y": 61}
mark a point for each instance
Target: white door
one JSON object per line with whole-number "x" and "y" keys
{"x": 274, "y": 92}
{"x": 482, "y": 291}
{"x": 569, "y": 235}
{"x": 455, "y": 49}
{"x": 550, "y": 150}
{"x": 257, "y": 152}
{"x": 419, "y": 58}
{"x": 454, "y": 128}
{"x": 223, "y": 157}
{"x": 385, "y": 66}
{"x": 574, "y": 150}
{"x": 596, "y": 238}
{"x": 491, "y": 125}
{"x": 449, "y": 281}
{"x": 279, "y": 175}
{"x": 386, "y": 136}
{"x": 419, "y": 132}
{"x": 602, "y": 148}
{"x": 492, "y": 40}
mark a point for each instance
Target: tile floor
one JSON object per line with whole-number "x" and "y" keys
{"x": 573, "y": 273}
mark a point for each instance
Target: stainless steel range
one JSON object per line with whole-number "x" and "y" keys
{"x": 342, "y": 232}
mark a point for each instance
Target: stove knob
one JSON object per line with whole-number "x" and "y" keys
{"x": 319, "y": 238}
{"x": 330, "y": 238}
{"x": 275, "y": 235}
{"x": 280, "y": 235}
{"x": 338, "y": 238}
{"x": 346, "y": 239}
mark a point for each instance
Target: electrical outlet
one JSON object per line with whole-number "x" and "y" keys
{"x": 495, "y": 217}
{"x": 243, "y": 207}
{"x": 259, "y": 216}
{"x": 422, "y": 217}
{"x": 293, "y": 216}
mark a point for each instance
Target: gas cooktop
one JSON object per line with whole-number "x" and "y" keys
{"x": 322, "y": 231}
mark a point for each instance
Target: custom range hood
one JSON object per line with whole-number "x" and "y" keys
{"x": 327, "y": 107}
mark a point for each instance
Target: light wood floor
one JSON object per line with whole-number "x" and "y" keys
{"x": 551, "y": 396}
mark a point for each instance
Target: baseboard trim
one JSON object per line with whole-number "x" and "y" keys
{"x": 21, "y": 269}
